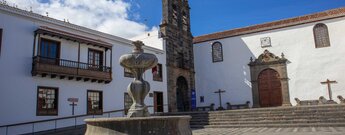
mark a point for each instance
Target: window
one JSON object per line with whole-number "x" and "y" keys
{"x": 127, "y": 102}
{"x": 180, "y": 60}
{"x": 49, "y": 51}
{"x": 321, "y": 36}
{"x": 157, "y": 73}
{"x": 94, "y": 102}
{"x": 128, "y": 73}
{"x": 95, "y": 59}
{"x": 217, "y": 52}
{"x": 174, "y": 14}
{"x": 184, "y": 21}
{"x": 0, "y": 40}
{"x": 47, "y": 101}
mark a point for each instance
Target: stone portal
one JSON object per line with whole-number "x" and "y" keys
{"x": 269, "y": 80}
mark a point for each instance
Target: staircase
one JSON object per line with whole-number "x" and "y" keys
{"x": 307, "y": 116}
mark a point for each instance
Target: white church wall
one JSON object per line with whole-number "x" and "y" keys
{"x": 18, "y": 88}
{"x": 307, "y": 66}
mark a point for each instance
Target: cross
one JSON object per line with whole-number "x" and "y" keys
{"x": 220, "y": 98}
{"x": 73, "y": 104}
{"x": 328, "y": 82}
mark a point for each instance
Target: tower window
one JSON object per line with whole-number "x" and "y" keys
{"x": 180, "y": 60}
{"x": 321, "y": 36}
{"x": 217, "y": 52}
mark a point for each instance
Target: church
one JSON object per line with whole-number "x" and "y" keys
{"x": 61, "y": 73}
{"x": 274, "y": 63}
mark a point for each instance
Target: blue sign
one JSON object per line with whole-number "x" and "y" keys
{"x": 193, "y": 98}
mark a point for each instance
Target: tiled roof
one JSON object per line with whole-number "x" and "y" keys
{"x": 325, "y": 15}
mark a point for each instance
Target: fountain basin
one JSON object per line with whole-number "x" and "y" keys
{"x": 157, "y": 125}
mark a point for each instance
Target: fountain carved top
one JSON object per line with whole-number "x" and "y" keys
{"x": 138, "y": 59}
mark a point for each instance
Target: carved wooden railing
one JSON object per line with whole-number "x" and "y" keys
{"x": 62, "y": 67}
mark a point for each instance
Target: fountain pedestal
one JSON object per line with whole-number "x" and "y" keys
{"x": 138, "y": 121}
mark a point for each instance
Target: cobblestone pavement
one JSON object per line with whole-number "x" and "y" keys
{"x": 271, "y": 131}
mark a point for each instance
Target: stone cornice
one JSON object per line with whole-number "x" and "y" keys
{"x": 325, "y": 15}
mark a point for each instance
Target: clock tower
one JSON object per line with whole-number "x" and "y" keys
{"x": 178, "y": 41}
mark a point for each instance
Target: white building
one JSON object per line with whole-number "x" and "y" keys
{"x": 44, "y": 62}
{"x": 313, "y": 51}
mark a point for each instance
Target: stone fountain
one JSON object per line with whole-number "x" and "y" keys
{"x": 138, "y": 121}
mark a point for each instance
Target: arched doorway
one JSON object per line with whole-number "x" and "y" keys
{"x": 270, "y": 88}
{"x": 182, "y": 100}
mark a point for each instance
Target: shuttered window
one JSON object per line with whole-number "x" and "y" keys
{"x": 321, "y": 36}
{"x": 217, "y": 52}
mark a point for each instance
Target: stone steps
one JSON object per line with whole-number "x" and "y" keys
{"x": 268, "y": 122}
{"x": 268, "y": 118}
{"x": 271, "y": 125}
{"x": 308, "y": 116}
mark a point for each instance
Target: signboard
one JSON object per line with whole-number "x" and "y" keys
{"x": 193, "y": 98}
{"x": 72, "y": 99}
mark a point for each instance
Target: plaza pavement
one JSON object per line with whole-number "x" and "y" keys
{"x": 271, "y": 131}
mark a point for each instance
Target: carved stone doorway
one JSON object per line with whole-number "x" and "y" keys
{"x": 270, "y": 91}
{"x": 182, "y": 100}
{"x": 269, "y": 80}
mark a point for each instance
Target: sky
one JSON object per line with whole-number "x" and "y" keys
{"x": 130, "y": 18}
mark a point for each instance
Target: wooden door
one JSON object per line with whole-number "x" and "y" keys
{"x": 270, "y": 91}
{"x": 158, "y": 101}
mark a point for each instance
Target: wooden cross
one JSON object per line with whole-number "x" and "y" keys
{"x": 328, "y": 82}
{"x": 220, "y": 98}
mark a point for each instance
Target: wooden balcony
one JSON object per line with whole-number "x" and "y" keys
{"x": 70, "y": 69}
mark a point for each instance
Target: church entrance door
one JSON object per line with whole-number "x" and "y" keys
{"x": 182, "y": 100}
{"x": 270, "y": 90}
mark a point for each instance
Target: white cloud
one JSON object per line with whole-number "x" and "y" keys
{"x": 109, "y": 16}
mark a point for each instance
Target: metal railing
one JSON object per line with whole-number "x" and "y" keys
{"x": 75, "y": 118}
{"x": 70, "y": 64}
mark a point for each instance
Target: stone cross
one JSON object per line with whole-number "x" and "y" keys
{"x": 220, "y": 98}
{"x": 328, "y": 82}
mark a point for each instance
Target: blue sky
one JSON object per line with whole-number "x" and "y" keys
{"x": 208, "y": 16}
{"x": 126, "y": 18}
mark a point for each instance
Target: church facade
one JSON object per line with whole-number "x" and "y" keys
{"x": 271, "y": 64}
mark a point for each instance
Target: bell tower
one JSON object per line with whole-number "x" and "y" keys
{"x": 176, "y": 32}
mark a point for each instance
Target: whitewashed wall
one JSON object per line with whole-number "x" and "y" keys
{"x": 308, "y": 65}
{"x": 18, "y": 89}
